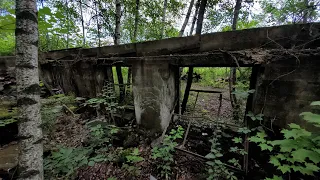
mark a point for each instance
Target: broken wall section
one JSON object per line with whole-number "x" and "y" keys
{"x": 84, "y": 78}
{"x": 286, "y": 88}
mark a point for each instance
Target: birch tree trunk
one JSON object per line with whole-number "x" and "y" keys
{"x": 202, "y": 10}
{"x": 30, "y": 166}
{"x": 186, "y": 20}
{"x": 82, "y": 24}
{"x": 195, "y": 17}
{"x": 163, "y": 18}
{"x": 122, "y": 89}
{"x": 68, "y": 25}
{"x": 98, "y": 26}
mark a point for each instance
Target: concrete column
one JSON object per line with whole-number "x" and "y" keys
{"x": 154, "y": 92}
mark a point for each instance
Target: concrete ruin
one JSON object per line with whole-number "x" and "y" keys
{"x": 285, "y": 61}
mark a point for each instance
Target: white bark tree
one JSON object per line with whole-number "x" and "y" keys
{"x": 28, "y": 92}
{"x": 165, "y": 3}
{"x": 186, "y": 19}
{"x": 117, "y": 35}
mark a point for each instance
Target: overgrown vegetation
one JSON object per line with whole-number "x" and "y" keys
{"x": 91, "y": 23}
{"x": 298, "y": 151}
{"x": 164, "y": 153}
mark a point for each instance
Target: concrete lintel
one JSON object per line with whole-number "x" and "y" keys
{"x": 286, "y": 36}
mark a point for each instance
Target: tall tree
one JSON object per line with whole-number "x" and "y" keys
{"x": 28, "y": 92}
{"x": 165, "y": 3}
{"x": 82, "y": 24}
{"x": 136, "y": 21}
{"x": 68, "y": 25}
{"x": 202, "y": 9}
{"x": 118, "y": 17}
{"x": 195, "y": 16}
{"x": 98, "y": 25}
{"x": 117, "y": 42}
{"x": 186, "y": 20}
{"x": 233, "y": 70}
{"x": 135, "y": 32}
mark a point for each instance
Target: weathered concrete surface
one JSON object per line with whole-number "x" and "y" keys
{"x": 286, "y": 88}
{"x": 154, "y": 93}
{"x": 277, "y": 37}
{"x": 84, "y": 78}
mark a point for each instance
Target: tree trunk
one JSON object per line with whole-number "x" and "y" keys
{"x": 136, "y": 23}
{"x": 30, "y": 164}
{"x": 202, "y": 9}
{"x": 187, "y": 90}
{"x": 98, "y": 26}
{"x": 82, "y": 23}
{"x": 68, "y": 26}
{"x": 233, "y": 70}
{"x": 306, "y": 11}
{"x": 117, "y": 42}
{"x": 163, "y": 18}
{"x": 186, "y": 19}
{"x": 236, "y": 14}
{"x": 195, "y": 16}
{"x": 118, "y": 17}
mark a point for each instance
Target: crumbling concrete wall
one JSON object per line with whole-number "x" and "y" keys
{"x": 84, "y": 78}
{"x": 286, "y": 88}
{"x": 154, "y": 93}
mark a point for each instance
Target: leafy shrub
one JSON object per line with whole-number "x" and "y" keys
{"x": 164, "y": 153}
{"x": 299, "y": 151}
{"x": 130, "y": 164}
{"x": 67, "y": 160}
{"x": 216, "y": 168}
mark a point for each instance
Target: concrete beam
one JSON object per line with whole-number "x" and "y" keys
{"x": 281, "y": 37}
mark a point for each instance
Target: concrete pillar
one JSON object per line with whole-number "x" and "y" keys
{"x": 154, "y": 91}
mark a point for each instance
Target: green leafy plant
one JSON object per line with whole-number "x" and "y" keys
{"x": 216, "y": 168}
{"x": 66, "y": 161}
{"x": 5, "y": 122}
{"x": 105, "y": 103}
{"x": 130, "y": 164}
{"x": 299, "y": 151}
{"x": 164, "y": 153}
{"x": 102, "y": 136}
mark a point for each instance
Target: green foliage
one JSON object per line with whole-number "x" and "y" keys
{"x": 106, "y": 102}
{"x": 51, "y": 109}
{"x": 216, "y": 168}
{"x": 299, "y": 151}
{"x": 130, "y": 164}
{"x": 255, "y": 117}
{"x": 67, "y": 160}
{"x": 164, "y": 153}
{"x": 102, "y": 136}
{"x": 5, "y": 122}
{"x": 288, "y": 11}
